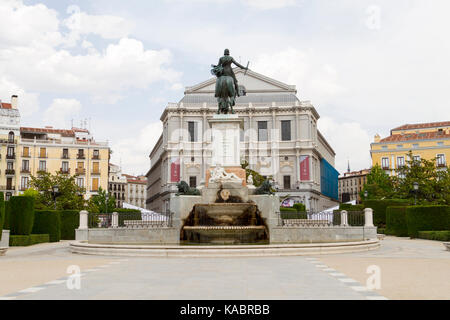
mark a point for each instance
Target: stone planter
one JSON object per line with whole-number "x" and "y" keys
{"x": 3, "y": 251}
{"x": 4, "y": 242}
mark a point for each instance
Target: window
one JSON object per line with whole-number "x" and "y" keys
{"x": 440, "y": 144}
{"x": 286, "y": 130}
{"x": 400, "y": 146}
{"x": 385, "y": 163}
{"x": 192, "y": 128}
{"x": 24, "y": 183}
{"x": 42, "y": 165}
{"x": 10, "y": 152}
{"x": 415, "y": 145}
{"x": 440, "y": 159}
{"x": 8, "y": 196}
{"x": 26, "y": 165}
{"x": 26, "y": 151}
{"x": 384, "y": 147}
{"x": 400, "y": 162}
{"x": 193, "y": 182}
{"x": 416, "y": 158}
{"x": 10, "y": 166}
{"x": 65, "y": 166}
{"x": 43, "y": 153}
{"x": 95, "y": 168}
{"x": 94, "y": 184}
{"x": 286, "y": 182}
{"x": 11, "y": 137}
{"x": 65, "y": 154}
{"x": 262, "y": 131}
{"x": 96, "y": 154}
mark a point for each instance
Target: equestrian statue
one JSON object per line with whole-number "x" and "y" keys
{"x": 226, "y": 85}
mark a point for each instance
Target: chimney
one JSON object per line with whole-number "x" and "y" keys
{"x": 377, "y": 138}
{"x": 14, "y": 101}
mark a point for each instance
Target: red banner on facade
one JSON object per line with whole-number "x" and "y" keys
{"x": 304, "y": 168}
{"x": 175, "y": 170}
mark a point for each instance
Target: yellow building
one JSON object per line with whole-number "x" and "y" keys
{"x": 425, "y": 141}
{"x": 26, "y": 151}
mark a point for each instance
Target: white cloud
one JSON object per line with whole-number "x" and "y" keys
{"x": 133, "y": 151}
{"x": 61, "y": 111}
{"x": 350, "y": 142}
{"x": 271, "y": 4}
{"x": 28, "y": 103}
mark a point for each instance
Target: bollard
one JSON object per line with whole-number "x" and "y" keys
{"x": 115, "y": 220}
{"x": 368, "y": 217}
{"x": 83, "y": 220}
{"x": 344, "y": 218}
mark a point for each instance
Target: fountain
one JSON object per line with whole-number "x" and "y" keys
{"x": 229, "y": 220}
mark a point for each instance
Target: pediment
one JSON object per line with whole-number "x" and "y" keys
{"x": 252, "y": 81}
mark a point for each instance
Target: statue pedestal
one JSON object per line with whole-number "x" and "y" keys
{"x": 225, "y": 142}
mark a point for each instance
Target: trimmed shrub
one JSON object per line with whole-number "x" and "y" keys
{"x": 2, "y": 213}
{"x": 7, "y": 222}
{"x": 70, "y": 221}
{"x": 379, "y": 209}
{"x": 48, "y": 222}
{"x": 28, "y": 240}
{"x": 427, "y": 218}
{"x": 351, "y": 207}
{"x": 381, "y": 230}
{"x": 22, "y": 215}
{"x": 434, "y": 235}
{"x": 294, "y": 215}
{"x": 396, "y": 221}
{"x": 128, "y": 214}
{"x": 300, "y": 207}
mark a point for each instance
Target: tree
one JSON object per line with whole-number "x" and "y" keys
{"x": 434, "y": 184}
{"x": 257, "y": 178}
{"x": 70, "y": 195}
{"x": 379, "y": 185}
{"x": 98, "y": 204}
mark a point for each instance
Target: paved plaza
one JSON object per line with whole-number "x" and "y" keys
{"x": 410, "y": 269}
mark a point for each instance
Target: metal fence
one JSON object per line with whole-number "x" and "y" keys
{"x": 131, "y": 220}
{"x": 319, "y": 219}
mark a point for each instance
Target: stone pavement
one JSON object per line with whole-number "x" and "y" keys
{"x": 39, "y": 272}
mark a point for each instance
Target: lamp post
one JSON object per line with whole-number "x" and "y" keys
{"x": 366, "y": 194}
{"x": 55, "y": 193}
{"x": 416, "y": 190}
{"x": 106, "y": 202}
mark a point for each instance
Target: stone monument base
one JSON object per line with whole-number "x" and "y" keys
{"x": 238, "y": 171}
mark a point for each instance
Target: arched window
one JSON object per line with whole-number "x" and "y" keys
{"x": 11, "y": 137}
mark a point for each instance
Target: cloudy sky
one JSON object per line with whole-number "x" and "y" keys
{"x": 367, "y": 66}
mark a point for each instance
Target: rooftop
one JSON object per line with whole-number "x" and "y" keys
{"x": 416, "y": 136}
{"x": 422, "y": 126}
{"x": 4, "y": 105}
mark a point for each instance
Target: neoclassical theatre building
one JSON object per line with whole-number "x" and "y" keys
{"x": 279, "y": 139}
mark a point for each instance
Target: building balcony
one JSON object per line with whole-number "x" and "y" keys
{"x": 8, "y": 188}
{"x": 385, "y": 168}
{"x": 10, "y": 172}
{"x": 441, "y": 165}
{"x": 25, "y": 170}
{"x": 95, "y": 172}
{"x": 64, "y": 156}
{"x": 41, "y": 171}
{"x": 80, "y": 171}
{"x": 81, "y": 156}
{"x": 26, "y": 155}
{"x": 11, "y": 156}
{"x": 64, "y": 171}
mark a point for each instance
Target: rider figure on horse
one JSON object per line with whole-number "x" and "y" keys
{"x": 225, "y": 62}
{"x": 226, "y": 85}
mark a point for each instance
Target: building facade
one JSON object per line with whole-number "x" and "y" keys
{"x": 136, "y": 190}
{"x": 117, "y": 184}
{"x": 425, "y": 140}
{"x": 27, "y": 151}
{"x": 351, "y": 184}
{"x": 279, "y": 139}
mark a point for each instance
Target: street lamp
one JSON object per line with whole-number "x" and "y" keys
{"x": 55, "y": 193}
{"x": 106, "y": 202}
{"x": 416, "y": 190}
{"x": 366, "y": 194}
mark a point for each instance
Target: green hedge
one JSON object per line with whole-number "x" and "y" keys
{"x": 70, "y": 221}
{"x": 7, "y": 223}
{"x": 396, "y": 221}
{"x": 351, "y": 207}
{"x": 293, "y": 215}
{"x": 128, "y": 214}
{"x": 354, "y": 218}
{"x": 381, "y": 230}
{"x": 23, "y": 241}
{"x": 379, "y": 209}
{"x": 2, "y": 213}
{"x": 427, "y": 218}
{"x": 299, "y": 207}
{"x": 22, "y": 215}
{"x": 48, "y": 222}
{"x": 434, "y": 235}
